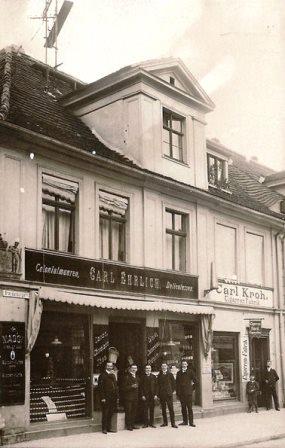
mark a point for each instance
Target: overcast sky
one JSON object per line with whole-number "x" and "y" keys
{"x": 235, "y": 48}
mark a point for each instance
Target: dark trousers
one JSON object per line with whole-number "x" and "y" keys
{"x": 148, "y": 411}
{"x": 271, "y": 392}
{"x": 108, "y": 409}
{"x": 186, "y": 408}
{"x": 130, "y": 412}
{"x": 252, "y": 401}
{"x": 169, "y": 402}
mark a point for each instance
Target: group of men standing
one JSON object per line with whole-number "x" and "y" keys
{"x": 148, "y": 389}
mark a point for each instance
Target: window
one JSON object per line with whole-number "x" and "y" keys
{"x": 225, "y": 366}
{"x": 58, "y": 212}
{"x": 172, "y": 80}
{"x": 173, "y": 135}
{"x": 113, "y": 220}
{"x": 217, "y": 172}
{"x": 225, "y": 247}
{"x": 254, "y": 247}
{"x": 176, "y": 240}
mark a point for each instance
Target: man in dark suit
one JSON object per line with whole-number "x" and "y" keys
{"x": 108, "y": 391}
{"x": 185, "y": 385}
{"x": 148, "y": 391}
{"x": 131, "y": 396}
{"x": 166, "y": 389}
{"x": 270, "y": 380}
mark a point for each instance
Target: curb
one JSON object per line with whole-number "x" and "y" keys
{"x": 252, "y": 441}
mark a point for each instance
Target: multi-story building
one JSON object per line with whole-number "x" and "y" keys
{"x": 125, "y": 234}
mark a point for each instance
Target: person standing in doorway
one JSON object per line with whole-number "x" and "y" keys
{"x": 185, "y": 385}
{"x": 270, "y": 380}
{"x": 148, "y": 389}
{"x": 108, "y": 391}
{"x": 166, "y": 389}
{"x": 131, "y": 396}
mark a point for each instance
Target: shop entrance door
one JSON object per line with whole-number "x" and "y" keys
{"x": 259, "y": 354}
{"x": 127, "y": 338}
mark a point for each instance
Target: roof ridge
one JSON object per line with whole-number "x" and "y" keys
{"x": 5, "y": 97}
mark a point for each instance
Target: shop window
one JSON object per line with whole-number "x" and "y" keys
{"x": 225, "y": 248}
{"x": 178, "y": 341}
{"x": 225, "y": 366}
{"x": 254, "y": 248}
{"x": 58, "y": 213}
{"x": 113, "y": 221}
{"x": 217, "y": 172}
{"x": 175, "y": 240}
{"x": 173, "y": 135}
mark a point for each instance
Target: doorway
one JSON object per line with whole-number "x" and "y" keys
{"x": 259, "y": 354}
{"x": 128, "y": 339}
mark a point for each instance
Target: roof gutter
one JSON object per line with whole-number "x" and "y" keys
{"x": 141, "y": 174}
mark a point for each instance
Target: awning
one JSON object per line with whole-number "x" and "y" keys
{"x": 74, "y": 298}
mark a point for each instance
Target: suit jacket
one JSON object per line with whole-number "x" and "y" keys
{"x": 107, "y": 384}
{"x": 165, "y": 385}
{"x": 148, "y": 386}
{"x": 185, "y": 383}
{"x": 271, "y": 377}
{"x": 252, "y": 387}
{"x": 130, "y": 392}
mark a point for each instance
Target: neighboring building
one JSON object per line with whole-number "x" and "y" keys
{"x": 137, "y": 235}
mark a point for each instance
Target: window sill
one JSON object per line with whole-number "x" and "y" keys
{"x": 179, "y": 162}
{"x": 219, "y": 188}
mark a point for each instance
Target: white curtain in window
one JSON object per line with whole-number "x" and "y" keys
{"x": 64, "y": 230}
{"x": 104, "y": 238}
{"x": 254, "y": 258}
{"x": 225, "y": 247}
{"x": 48, "y": 217}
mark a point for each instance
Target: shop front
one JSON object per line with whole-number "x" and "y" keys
{"x": 94, "y": 312}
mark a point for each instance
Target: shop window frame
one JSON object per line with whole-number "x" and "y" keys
{"x": 237, "y": 368}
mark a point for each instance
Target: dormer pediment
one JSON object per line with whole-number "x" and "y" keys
{"x": 175, "y": 72}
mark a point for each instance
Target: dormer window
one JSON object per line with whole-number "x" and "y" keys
{"x": 217, "y": 172}
{"x": 173, "y": 135}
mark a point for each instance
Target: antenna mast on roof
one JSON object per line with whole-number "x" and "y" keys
{"x": 57, "y": 19}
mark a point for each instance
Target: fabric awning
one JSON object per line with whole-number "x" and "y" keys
{"x": 74, "y": 298}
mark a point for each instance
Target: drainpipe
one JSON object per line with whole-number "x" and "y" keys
{"x": 280, "y": 267}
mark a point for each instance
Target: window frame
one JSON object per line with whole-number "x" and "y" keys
{"x": 111, "y": 219}
{"x": 58, "y": 204}
{"x": 256, "y": 232}
{"x": 183, "y": 233}
{"x": 223, "y": 183}
{"x": 172, "y": 132}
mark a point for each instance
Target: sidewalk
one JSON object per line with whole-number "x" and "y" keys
{"x": 216, "y": 432}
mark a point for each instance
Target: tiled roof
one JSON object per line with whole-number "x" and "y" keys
{"x": 29, "y": 101}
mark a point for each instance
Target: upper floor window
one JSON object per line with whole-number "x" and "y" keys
{"x": 226, "y": 251}
{"x": 176, "y": 240}
{"x": 173, "y": 136}
{"x": 254, "y": 253}
{"x": 217, "y": 172}
{"x": 58, "y": 212}
{"x": 113, "y": 221}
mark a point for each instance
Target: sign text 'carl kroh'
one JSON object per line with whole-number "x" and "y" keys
{"x": 238, "y": 294}
{"x": 47, "y": 267}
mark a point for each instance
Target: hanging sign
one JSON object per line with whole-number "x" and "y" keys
{"x": 254, "y": 328}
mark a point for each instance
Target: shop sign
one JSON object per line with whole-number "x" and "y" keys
{"x": 12, "y": 363}
{"x": 16, "y": 294}
{"x": 239, "y": 294}
{"x": 245, "y": 358}
{"x": 46, "y": 267}
{"x": 254, "y": 328}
